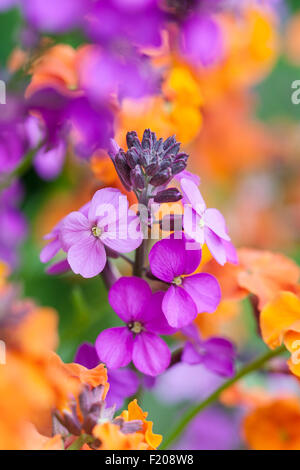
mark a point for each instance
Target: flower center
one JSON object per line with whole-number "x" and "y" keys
{"x": 96, "y": 231}
{"x": 177, "y": 281}
{"x": 201, "y": 223}
{"x": 135, "y": 327}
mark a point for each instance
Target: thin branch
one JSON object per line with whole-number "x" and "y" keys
{"x": 193, "y": 411}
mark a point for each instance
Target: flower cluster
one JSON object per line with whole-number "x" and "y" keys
{"x": 106, "y": 228}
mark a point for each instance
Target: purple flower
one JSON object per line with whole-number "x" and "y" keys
{"x": 206, "y": 225}
{"x": 132, "y": 300}
{"x": 127, "y": 76}
{"x": 55, "y": 16}
{"x": 123, "y": 383}
{"x": 187, "y": 296}
{"x": 55, "y": 245}
{"x": 118, "y": 22}
{"x": 212, "y": 429}
{"x": 90, "y": 125}
{"x": 108, "y": 223}
{"x": 13, "y": 224}
{"x": 217, "y": 354}
{"x": 202, "y": 40}
{"x": 49, "y": 163}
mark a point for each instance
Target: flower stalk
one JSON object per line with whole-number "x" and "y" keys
{"x": 196, "y": 409}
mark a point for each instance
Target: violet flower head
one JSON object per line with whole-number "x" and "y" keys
{"x": 150, "y": 162}
{"x": 129, "y": 76}
{"x": 202, "y": 41}
{"x": 123, "y": 383}
{"x": 212, "y": 429}
{"x": 216, "y": 354}
{"x": 14, "y": 143}
{"x": 138, "y": 341}
{"x": 188, "y": 294}
{"x": 206, "y": 225}
{"x": 108, "y": 223}
{"x": 117, "y": 23}
{"x": 56, "y": 16}
{"x": 13, "y": 224}
{"x": 89, "y": 125}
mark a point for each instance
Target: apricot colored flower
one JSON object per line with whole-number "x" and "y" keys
{"x": 274, "y": 426}
{"x": 56, "y": 67}
{"x": 279, "y": 317}
{"x": 134, "y": 412}
{"x": 111, "y": 438}
{"x": 280, "y": 323}
{"x": 261, "y": 273}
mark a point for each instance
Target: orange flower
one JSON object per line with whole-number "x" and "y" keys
{"x": 56, "y": 67}
{"x": 216, "y": 324}
{"x": 135, "y": 412}
{"x": 274, "y": 426}
{"x": 261, "y": 273}
{"x": 279, "y": 317}
{"x": 280, "y": 323}
{"x": 112, "y": 438}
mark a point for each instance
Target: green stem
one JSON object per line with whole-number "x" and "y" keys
{"x": 80, "y": 441}
{"x": 21, "y": 169}
{"x": 192, "y": 412}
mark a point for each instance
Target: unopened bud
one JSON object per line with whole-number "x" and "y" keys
{"x": 161, "y": 177}
{"x": 123, "y": 169}
{"x": 130, "y": 136}
{"x": 137, "y": 178}
{"x": 168, "y": 195}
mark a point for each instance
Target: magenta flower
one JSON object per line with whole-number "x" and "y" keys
{"x": 132, "y": 300}
{"x": 108, "y": 223}
{"x": 206, "y": 225}
{"x": 187, "y": 296}
{"x": 216, "y": 354}
{"x": 202, "y": 41}
{"x": 55, "y": 16}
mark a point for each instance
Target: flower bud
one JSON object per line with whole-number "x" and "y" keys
{"x": 123, "y": 169}
{"x": 162, "y": 177}
{"x": 130, "y": 136}
{"x": 168, "y": 195}
{"x": 137, "y": 178}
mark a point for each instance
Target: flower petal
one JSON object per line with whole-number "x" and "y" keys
{"x": 105, "y": 204}
{"x": 215, "y": 246}
{"x": 73, "y": 228}
{"x": 150, "y": 355}
{"x": 167, "y": 259}
{"x": 179, "y": 307}
{"x": 216, "y": 222}
{"x": 154, "y": 318}
{"x": 124, "y": 235}
{"x": 129, "y": 297}
{"x": 50, "y": 250}
{"x": 114, "y": 347}
{"x": 192, "y": 195}
{"x": 190, "y": 355}
{"x": 87, "y": 356}
{"x": 59, "y": 268}
{"x": 205, "y": 291}
{"x": 87, "y": 257}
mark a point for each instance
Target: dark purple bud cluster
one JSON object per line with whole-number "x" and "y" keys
{"x": 151, "y": 162}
